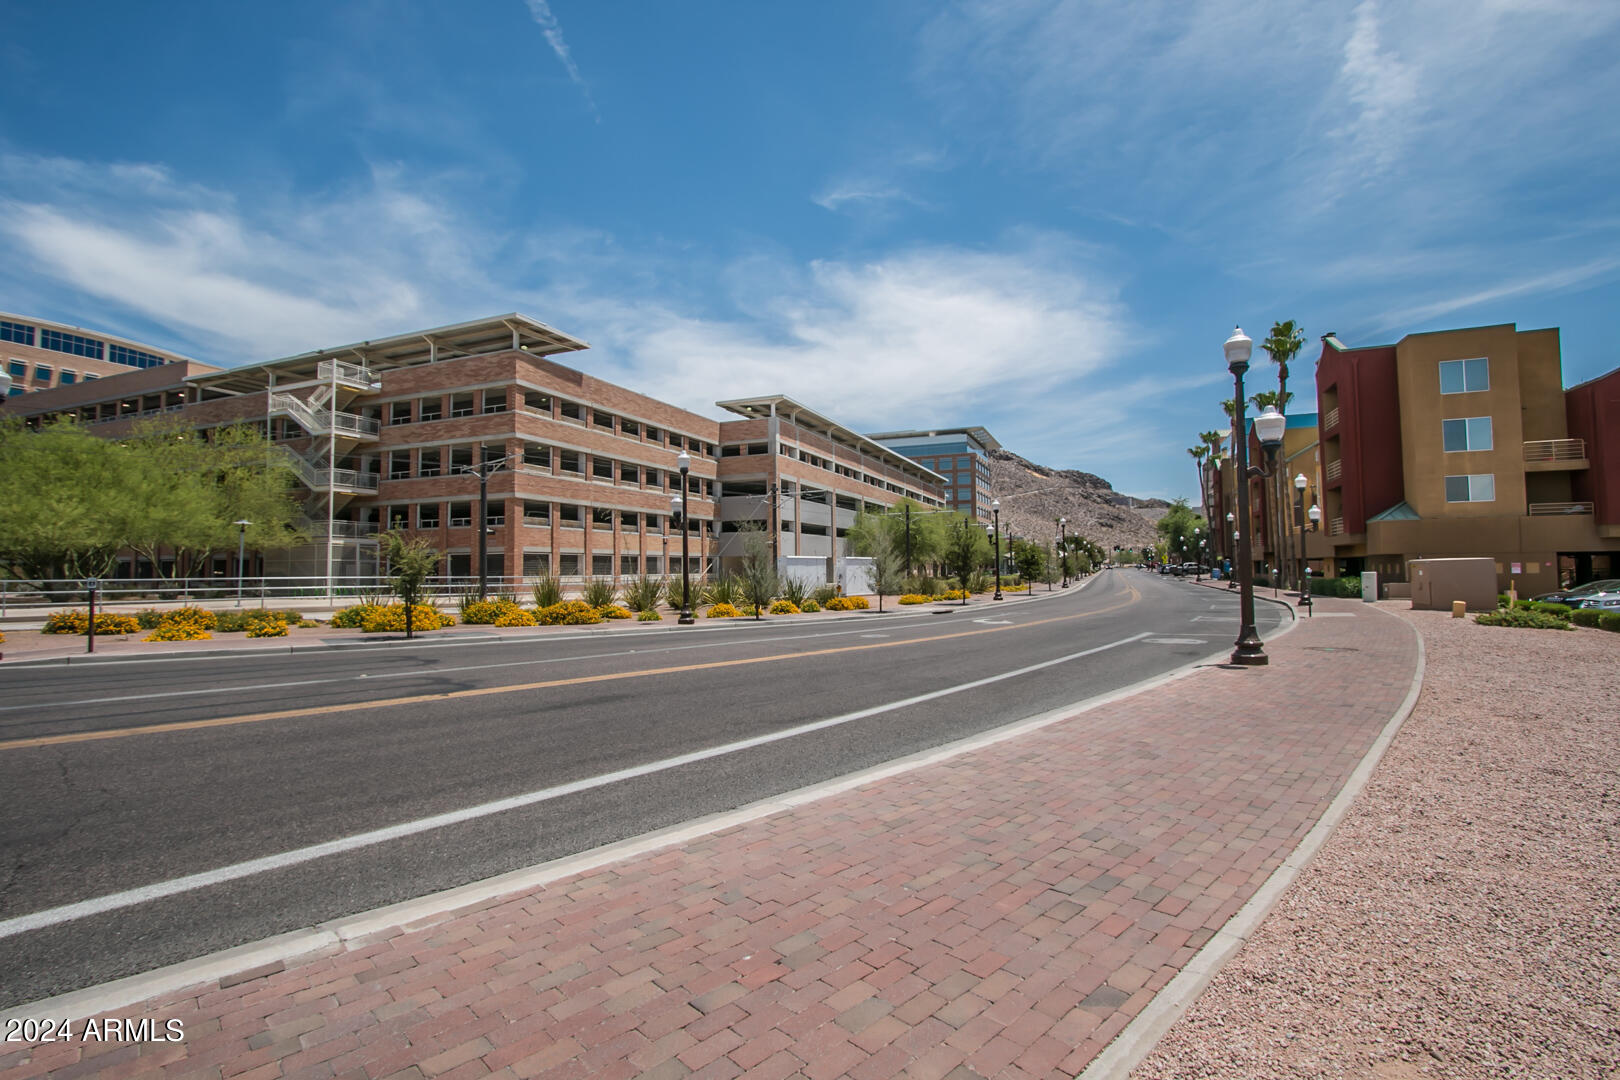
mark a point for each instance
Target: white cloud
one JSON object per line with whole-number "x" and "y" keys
{"x": 540, "y": 11}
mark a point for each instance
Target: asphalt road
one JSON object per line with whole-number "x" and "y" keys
{"x": 204, "y": 783}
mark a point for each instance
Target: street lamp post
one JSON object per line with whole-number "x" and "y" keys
{"x": 1269, "y": 426}
{"x": 684, "y": 462}
{"x": 995, "y": 509}
{"x": 1299, "y": 490}
{"x": 1063, "y": 548}
{"x": 1231, "y": 546}
{"x": 241, "y": 555}
{"x": 484, "y": 471}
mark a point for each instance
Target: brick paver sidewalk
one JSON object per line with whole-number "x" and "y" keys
{"x": 1004, "y": 913}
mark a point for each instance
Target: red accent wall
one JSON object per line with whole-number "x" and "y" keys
{"x": 1593, "y": 412}
{"x": 1369, "y": 429}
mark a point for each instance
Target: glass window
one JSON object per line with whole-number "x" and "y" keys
{"x": 602, "y": 565}
{"x": 68, "y": 378}
{"x": 42, "y": 374}
{"x": 17, "y": 369}
{"x": 536, "y": 563}
{"x": 21, "y": 333}
{"x": 78, "y": 346}
{"x": 568, "y": 565}
{"x": 1472, "y": 433}
{"x": 1478, "y": 487}
{"x": 1464, "y": 376}
{"x": 120, "y": 354}
{"x": 655, "y": 565}
{"x": 427, "y": 516}
{"x": 432, "y": 408}
{"x": 15, "y": 390}
{"x": 627, "y": 565}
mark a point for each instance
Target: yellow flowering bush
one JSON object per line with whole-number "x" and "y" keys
{"x": 353, "y": 618}
{"x": 784, "y": 607}
{"x": 1020, "y": 587}
{"x": 512, "y": 616}
{"x": 613, "y": 611}
{"x": 649, "y": 616}
{"x": 916, "y": 598}
{"x": 178, "y": 631}
{"x": 108, "y": 623}
{"x": 2, "y": 637}
{"x": 848, "y": 603}
{"x": 487, "y": 612}
{"x": 67, "y": 622}
{"x": 809, "y": 607}
{"x": 267, "y": 628}
{"x": 391, "y": 619}
{"x": 201, "y": 618}
{"x": 953, "y": 594}
{"x": 722, "y": 611}
{"x": 568, "y": 613}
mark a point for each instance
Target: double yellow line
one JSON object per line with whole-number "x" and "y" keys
{"x": 579, "y": 680}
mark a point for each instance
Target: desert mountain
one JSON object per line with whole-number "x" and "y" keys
{"x": 1033, "y": 497}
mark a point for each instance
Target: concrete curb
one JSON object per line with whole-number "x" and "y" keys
{"x": 1142, "y": 1034}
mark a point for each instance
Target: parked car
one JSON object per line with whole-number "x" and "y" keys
{"x": 1601, "y": 601}
{"x": 1573, "y": 595}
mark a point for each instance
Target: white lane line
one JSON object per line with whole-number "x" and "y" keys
{"x": 433, "y": 672}
{"x": 55, "y": 916}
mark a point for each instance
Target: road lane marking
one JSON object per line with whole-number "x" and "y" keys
{"x": 55, "y": 916}
{"x": 549, "y": 684}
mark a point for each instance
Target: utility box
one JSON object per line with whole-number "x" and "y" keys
{"x": 1439, "y": 583}
{"x": 1369, "y": 586}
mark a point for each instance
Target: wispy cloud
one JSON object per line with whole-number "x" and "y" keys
{"x": 1569, "y": 277}
{"x": 541, "y": 12}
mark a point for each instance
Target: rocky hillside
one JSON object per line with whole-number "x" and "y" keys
{"x": 1033, "y": 497}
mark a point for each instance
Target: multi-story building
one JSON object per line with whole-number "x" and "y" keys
{"x": 579, "y": 472}
{"x": 39, "y": 354}
{"x": 1274, "y": 543}
{"x": 1464, "y": 442}
{"x": 961, "y": 456}
{"x": 803, "y": 478}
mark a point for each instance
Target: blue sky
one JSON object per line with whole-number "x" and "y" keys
{"x": 1039, "y": 216}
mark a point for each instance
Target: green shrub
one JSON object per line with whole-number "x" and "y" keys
{"x": 149, "y": 618}
{"x": 643, "y": 594}
{"x": 1522, "y": 619}
{"x": 722, "y": 590}
{"x": 613, "y": 611}
{"x": 201, "y": 618}
{"x": 391, "y": 619}
{"x": 1561, "y": 610}
{"x": 794, "y": 591}
{"x": 547, "y": 592}
{"x": 267, "y": 628}
{"x": 353, "y": 618}
{"x": 649, "y": 616}
{"x": 1609, "y": 620}
{"x": 979, "y": 581}
{"x": 599, "y": 592}
{"x": 821, "y": 594}
{"x": 1347, "y": 587}
{"x": 1585, "y": 616}
{"x": 809, "y": 607}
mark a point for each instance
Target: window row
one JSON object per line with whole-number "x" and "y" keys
{"x": 536, "y": 514}
{"x": 44, "y": 373}
{"x": 816, "y": 460}
{"x": 431, "y": 461}
{"x": 484, "y": 402}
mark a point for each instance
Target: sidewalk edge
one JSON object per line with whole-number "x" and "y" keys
{"x": 1142, "y": 1034}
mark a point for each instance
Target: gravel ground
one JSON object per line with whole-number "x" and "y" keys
{"x": 1464, "y": 918}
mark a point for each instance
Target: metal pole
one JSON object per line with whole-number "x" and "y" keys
{"x": 908, "y": 539}
{"x": 483, "y": 530}
{"x": 1247, "y": 650}
{"x": 241, "y": 554}
{"x": 997, "y": 512}
{"x": 686, "y": 618}
{"x": 90, "y": 646}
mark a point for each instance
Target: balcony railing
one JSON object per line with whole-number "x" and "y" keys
{"x": 323, "y": 421}
{"x": 1545, "y": 509}
{"x": 351, "y": 374}
{"x": 344, "y": 529}
{"x": 1335, "y": 469}
{"x": 1541, "y": 450}
{"x": 1330, "y": 419}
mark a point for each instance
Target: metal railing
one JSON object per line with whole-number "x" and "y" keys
{"x": 354, "y": 375}
{"x": 318, "y": 477}
{"x": 1539, "y": 450}
{"x": 343, "y": 529}
{"x": 1543, "y": 509}
{"x": 319, "y": 421}
{"x": 1335, "y": 469}
{"x": 142, "y": 415}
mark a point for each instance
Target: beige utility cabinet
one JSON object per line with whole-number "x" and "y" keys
{"x": 1436, "y": 583}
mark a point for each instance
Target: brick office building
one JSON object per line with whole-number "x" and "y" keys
{"x": 39, "y": 354}
{"x": 381, "y": 432}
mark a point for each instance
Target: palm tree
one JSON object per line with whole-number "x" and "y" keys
{"x": 1282, "y": 345}
{"x": 1212, "y": 441}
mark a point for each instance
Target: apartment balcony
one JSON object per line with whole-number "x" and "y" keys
{"x": 1552, "y": 455}
{"x": 1549, "y": 509}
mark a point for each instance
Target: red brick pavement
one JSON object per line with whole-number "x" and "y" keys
{"x": 1004, "y": 913}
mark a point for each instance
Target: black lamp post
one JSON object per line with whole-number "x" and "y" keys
{"x": 241, "y": 555}
{"x": 1268, "y": 427}
{"x": 1299, "y": 490}
{"x": 995, "y": 509}
{"x": 484, "y": 471}
{"x": 686, "y": 619}
{"x": 1063, "y": 548}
